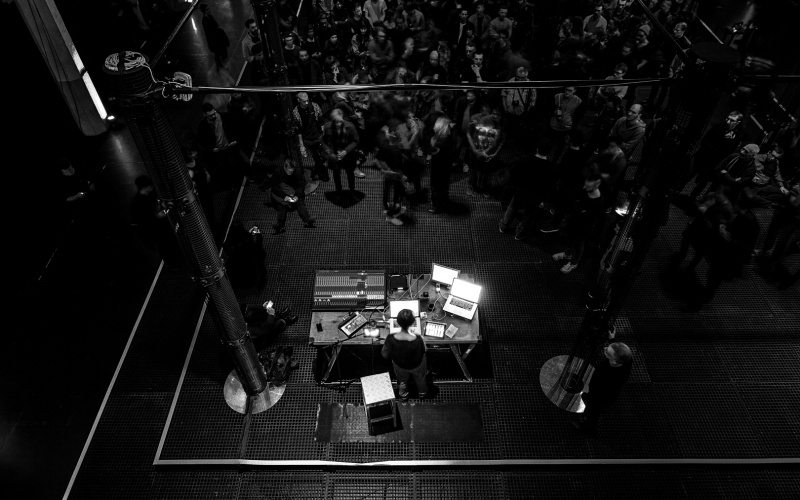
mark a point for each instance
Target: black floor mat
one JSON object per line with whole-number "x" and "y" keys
{"x": 416, "y": 423}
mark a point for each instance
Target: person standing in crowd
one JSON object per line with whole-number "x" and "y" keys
{"x": 308, "y": 122}
{"x": 354, "y": 23}
{"x": 584, "y": 216}
{"x": 530, "y": 183}
{"x": 563, "y": 119}
{"x": 340, "y": 139}
{"x": 715, "y": 213}
{"x": 381, "y": 53}
{"x": 442, "y": 148}
{"x": 333, "y": 73}
{"x": 432, "y": 69}
{"x": 500, "y": 23}
{"x": 720, "y": 141}
{"x": 456, "y": 32}
{"x": 628, "y": 131}
{"x": 291, "y": 56}
{"x": 767, "y": 186}
{"x": 409, "y": 135}
{"x": 609, "y": 375}
{"x": 499, "y": 55}
{"x": 474, "y": 70}
{"x": 406, "y": 351}
{"x": 612, "y": 164}
{"x": 570, "y": 179}
{"x": 618, "y": 91}
{"x": 466, "y": 106}
{"x": 313, "y": 44}
{"x": 289, "y": 193}
{"x": 486, "y": 139}
{"x": 309, "y": 72}
{"x": 480, "y": 20}
{"x": 359, "y": 47}
{"x": 228, "y": 161}
{"x": 518, "y": 102}
{"x": 783, "y": 233}
{"x": 334, "y": 47}
{"x": 733, "y": 171}
{"x": 594, "y": 21}
{"x": 250, "y": 41}
{"x": 216, "y": 37}
{"x": 375, "y": 12}
{"x": 391, "y": 163}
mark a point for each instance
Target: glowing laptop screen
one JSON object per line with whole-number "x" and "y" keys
{"x": 443, "y": 275}
{"x": 466, "y": 290}
{"x": 396, "y": 306}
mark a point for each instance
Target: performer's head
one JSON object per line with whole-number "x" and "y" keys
{"x": 405, "y": 319}
{"x": 618, "y": 354}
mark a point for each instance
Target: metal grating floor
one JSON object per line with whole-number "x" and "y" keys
{"x": 702, "y": 385}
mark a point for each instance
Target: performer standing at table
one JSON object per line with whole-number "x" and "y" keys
{"x": 407, "y": 353}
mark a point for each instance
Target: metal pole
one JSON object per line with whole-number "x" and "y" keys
{"x": 155, "y": 139}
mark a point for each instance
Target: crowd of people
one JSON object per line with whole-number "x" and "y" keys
{"x": 346, "y": 43}
{"x": 571, "y": 146}
{"x": 739, "y": 177}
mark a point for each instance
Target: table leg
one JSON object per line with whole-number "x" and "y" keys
{"x": 457, "y": 353}
{"x": 469, "y": 350}
{"x": 331, "y": 361}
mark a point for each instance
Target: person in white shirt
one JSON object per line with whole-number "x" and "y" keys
{"x": 375, "y": 10}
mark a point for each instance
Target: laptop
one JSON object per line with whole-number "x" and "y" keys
{"x": 463, "y": 299}
{"x": 443, "y": 275}
{"x": 395, "y": 307}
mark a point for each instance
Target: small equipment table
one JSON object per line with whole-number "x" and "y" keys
{"x": 331, "y": 340}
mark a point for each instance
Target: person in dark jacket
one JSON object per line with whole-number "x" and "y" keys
{"x": 465, "y": 108}
{"x": 531, "y": 183}
{"x": 289, "y": 193}
{"x": 610, "y": 374}
{"x": 734, "y": 171}
{"x": 720, "y": 141}
{"x": 407, "y": 353}
{"x": 245, "y": 256}
{"x": 391, "y": 162}
{"x": 215, "y": 137}
{"x": 767, "y": 186}
{"x": 442, "y": 149}
{"x": 584, "y": 217}
{"x": 612, "y": 164}
{"x": 340, "y": 139}
{"x": 216, "y": 37}
{"x": 264, "y": 324}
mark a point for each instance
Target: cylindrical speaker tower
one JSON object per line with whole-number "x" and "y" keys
{"x": 135, "y": 89}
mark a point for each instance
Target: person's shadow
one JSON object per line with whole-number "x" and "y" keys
{"x": 345, "y": 199}
{"x": 683, "y": 284}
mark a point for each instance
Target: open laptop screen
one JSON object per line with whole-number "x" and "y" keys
{"x": 396, "y": 306}
{"x": 466, "y": 290}
{"x": 443, "y": 275}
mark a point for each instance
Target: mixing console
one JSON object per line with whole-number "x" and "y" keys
{"x": 348, "y": 290}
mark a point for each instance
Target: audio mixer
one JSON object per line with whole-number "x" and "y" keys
{"x": 346, "y": 290}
